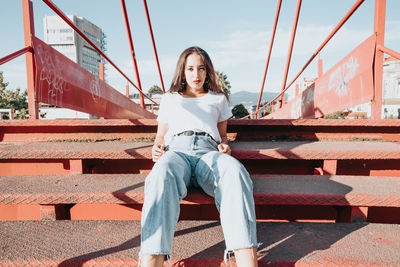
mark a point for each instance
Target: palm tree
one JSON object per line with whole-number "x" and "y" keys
{"x": 222, "y": 81}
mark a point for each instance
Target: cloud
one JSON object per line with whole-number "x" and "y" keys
{"x": 148, "y": 72}
{"x": 242, "y": 54}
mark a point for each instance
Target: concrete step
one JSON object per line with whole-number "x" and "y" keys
{"x": 116, "y": 243}
{"x": 296, "y": 157}
{"x": 99, "y": 196}
{"x": 310, "y": 129}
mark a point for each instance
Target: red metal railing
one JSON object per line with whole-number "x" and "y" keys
{"x": 72, "y": 25}
{"x": 378, "y": 62}
{"x": 154, "y": 44}
{"x": 46, "y": 76}
{"x": 128, "y": 30}
{"x": 278, "y": 9}
{"x": 15, "y": 55}
{"x": 379, "y": 23}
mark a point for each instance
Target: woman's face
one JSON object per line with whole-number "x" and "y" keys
{"x": 195, "y": 72}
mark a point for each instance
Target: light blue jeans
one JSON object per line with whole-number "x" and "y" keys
{"x": 195, "y": 161}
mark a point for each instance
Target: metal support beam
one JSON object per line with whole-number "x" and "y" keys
{"x": 128, "y": 30}
{"x": 29, "y": 31}
{"x": 296, "y": 19}
{"x": 154, "y": 43}
{"x": 269, "y": 54}
{"x": 379, "y": 29}
{"x": 15, "y": 55}
{"x": 72, "y": 25}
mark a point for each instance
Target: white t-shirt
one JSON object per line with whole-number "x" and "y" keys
{"x": 200, "y": 114}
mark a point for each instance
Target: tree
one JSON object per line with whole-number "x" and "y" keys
{"x": 337, "y": 115}
{"x": 14, "y": 99}
{"x": 155, "y": 89}
{"x": 222, "y": 81}
{"x": 239, "y": 111}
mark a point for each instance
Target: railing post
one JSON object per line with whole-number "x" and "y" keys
{"x": 127, "y": 90}
{"x": 128, "y": 29}
{"x": 379, "y": 29}
{"x": 320, "y": 67}
{"x": 101, "y": 74}
{"x": 29, "y": 31}
{"x": 296, "y": 18}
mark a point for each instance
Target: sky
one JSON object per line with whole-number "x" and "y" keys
{"x": 236, "y": 34}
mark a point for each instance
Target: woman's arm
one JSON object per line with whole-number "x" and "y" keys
{"x": 159, "y": 144}
{"x": 222, "y": 128}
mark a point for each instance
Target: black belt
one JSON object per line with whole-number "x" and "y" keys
{"x": 190, "y": 133}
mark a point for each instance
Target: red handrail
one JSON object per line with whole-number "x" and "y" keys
{"x": 333, "y": 32}
{"x": 128, "y": 29}
{"x": 289, "y": 57}
{"x": 15, "y": 54}
{"x": 154, "y": 43}
{"x": 269, "y": 54}
{"x": 389, "y": 51}
{"x": 72, "y": 25}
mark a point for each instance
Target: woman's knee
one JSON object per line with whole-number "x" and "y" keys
{"x": 167, "y": 165}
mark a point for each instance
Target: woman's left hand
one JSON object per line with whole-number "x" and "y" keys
{"x": 224, "y": 148}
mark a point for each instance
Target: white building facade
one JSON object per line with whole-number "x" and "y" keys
{"x": 391, "y": 89}
{"x": 59, "y": 35}
{"x": 64, "y": 39}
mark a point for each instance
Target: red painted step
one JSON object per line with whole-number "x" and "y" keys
{"x": 87, "y": 243}
{"x": 306, "y": 150}
{"x": 326, "y": 190}
{"x": 284, "y": 157}
{"x": 120, "y": 196}
{"x": 310, "y": 129}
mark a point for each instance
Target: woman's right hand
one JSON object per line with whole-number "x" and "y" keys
{"x": 157, "y": 151}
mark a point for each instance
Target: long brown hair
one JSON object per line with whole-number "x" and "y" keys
{"x": 179, "y": 81}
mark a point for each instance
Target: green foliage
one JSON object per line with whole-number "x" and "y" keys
{"x": 337, "y": 115}
{"x": 14, "y": 99}
{"x": 222, "y": 81}
{"x": 155, "y": 89}
{"x": 239, "y": 111}
{"x": 267, "y": 110}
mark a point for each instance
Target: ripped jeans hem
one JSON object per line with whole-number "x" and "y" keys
{"x": 228, "y": 252}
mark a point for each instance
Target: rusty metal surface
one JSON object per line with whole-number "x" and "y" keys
{"x": 115, "y": 243}
{"x": 63, "y": 83}
{"x": 268, "y": 190}
{"x": 242, "y": 150}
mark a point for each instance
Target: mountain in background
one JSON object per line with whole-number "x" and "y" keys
{"x": 249, "y": 98}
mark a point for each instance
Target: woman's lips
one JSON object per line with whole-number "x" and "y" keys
{"x": 196, "y": 81}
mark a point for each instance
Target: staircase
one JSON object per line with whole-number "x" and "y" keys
{"x": 327, "y": 192}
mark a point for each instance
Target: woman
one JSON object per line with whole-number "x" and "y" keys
{"x": 191, "y": 149}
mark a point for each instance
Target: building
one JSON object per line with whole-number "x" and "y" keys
{"x": 390, "y": 92}
{"x": 391, "y": 89}
{"x": 64, "y": 39}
